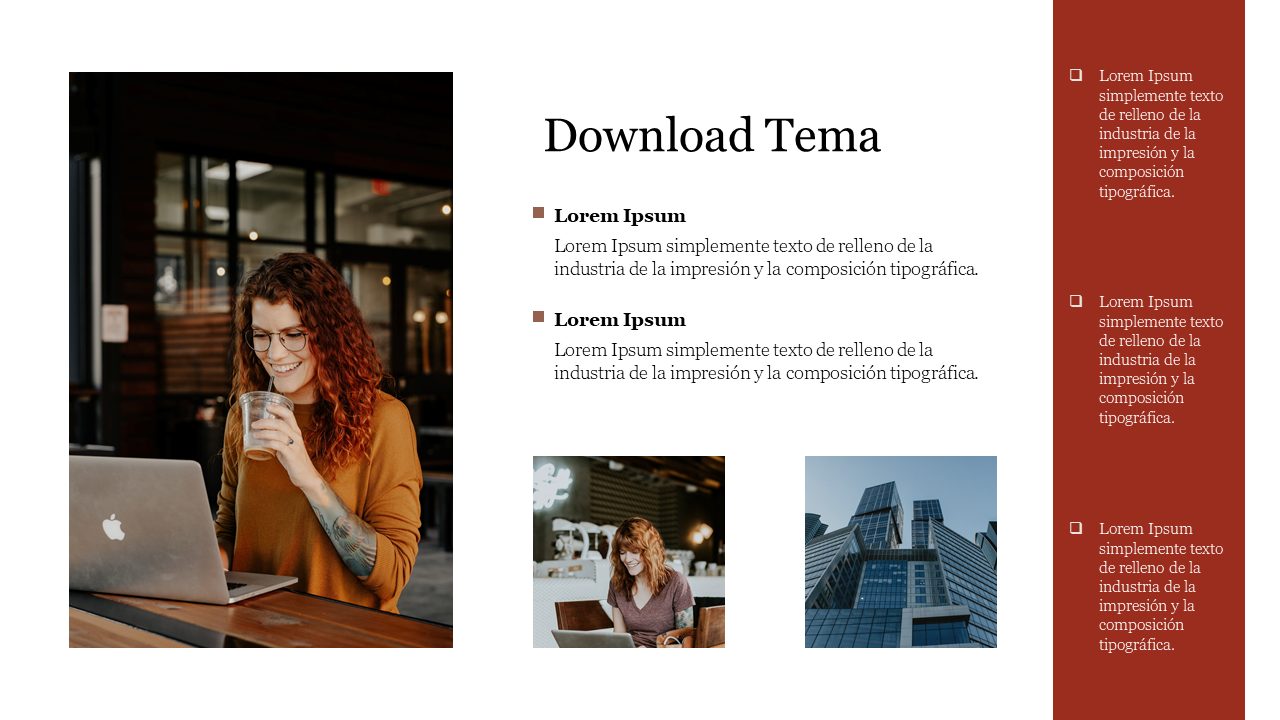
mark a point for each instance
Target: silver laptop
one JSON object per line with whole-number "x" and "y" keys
{"x": 143, "y": 527}
{"x": 587, "y": 639}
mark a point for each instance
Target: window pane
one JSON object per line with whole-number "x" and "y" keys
{"x": 370, "y": 284}
{"x": 319, "y": 210}
{"x": 429, "y": 319}
{"x": 272, "y": 201}
{"x": 379, "y": 212}
{"x": 187, "y": 278}
{"x": 169, "y": 201}
{"x": 192, "y": 309}
{"x": 171, "y": 276}
{"x": 214, "y": 215}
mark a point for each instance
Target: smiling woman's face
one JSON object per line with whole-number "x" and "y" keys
{"x": 632, "y": 561}
{"x": 294, "y": 371}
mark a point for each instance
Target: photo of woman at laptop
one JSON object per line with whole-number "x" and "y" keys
{"x": 648, "y": 598}
{"x": 337, "y": 504}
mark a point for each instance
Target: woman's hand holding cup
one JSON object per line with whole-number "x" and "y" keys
{"x": 281, "y": 434}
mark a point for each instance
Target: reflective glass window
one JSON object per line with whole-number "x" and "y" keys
{"x": 429, "y": 319}
{"x": 272, "y": 201}
{"x": 212, "y": 214}
{"x": 381, "y": 212}
{"x": 170, "y": 196}
{"x": 370, "y": 285}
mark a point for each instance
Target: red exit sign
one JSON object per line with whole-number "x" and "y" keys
{"x": 381, "y": 187}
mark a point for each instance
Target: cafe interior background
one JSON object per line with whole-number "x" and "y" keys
{"x": 181, "y": 184}
{"x": 578, "y": 503}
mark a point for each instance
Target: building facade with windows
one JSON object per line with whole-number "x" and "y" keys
{"x": 859, "y": 595}
{"x": 970, "y": 579}
{"x": 986, "y": 541}
{"x": 922, "y": 512}
{"x": 813, "y": 527}
{"x": 880, "y": 516}
{"x": 831, "y": 570}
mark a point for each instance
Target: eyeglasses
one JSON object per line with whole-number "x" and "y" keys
{"x": 291, "y": 340}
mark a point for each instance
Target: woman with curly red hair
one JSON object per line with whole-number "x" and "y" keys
{"x": 337, "y": 505}
{"x": 648, "y": 598}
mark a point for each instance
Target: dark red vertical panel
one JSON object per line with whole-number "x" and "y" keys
{"x": 1188, "y": 472}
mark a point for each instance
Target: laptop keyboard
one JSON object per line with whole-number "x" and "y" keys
{"x": 232, "y": 586}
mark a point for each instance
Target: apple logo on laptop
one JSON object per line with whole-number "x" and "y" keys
{"x": 112, "y": 528}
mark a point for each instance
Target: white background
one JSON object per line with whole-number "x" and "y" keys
{"x": 965, "y": 163}
{"x": 961, "y": 98}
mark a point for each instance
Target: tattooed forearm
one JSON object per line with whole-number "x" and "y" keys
{"x": 353, "y": 538}
{"x": 684, "y": 618}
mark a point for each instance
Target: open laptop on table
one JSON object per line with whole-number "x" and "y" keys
{"x": 592, "y": 639}
{"x": 143, "y": 527}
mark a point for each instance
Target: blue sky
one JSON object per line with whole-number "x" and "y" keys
{"x": 966, "y": 487}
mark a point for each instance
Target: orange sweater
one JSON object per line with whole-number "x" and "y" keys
{"x": 272, "y": 529}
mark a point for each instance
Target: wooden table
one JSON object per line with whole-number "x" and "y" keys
{"x": 283, "y": 618}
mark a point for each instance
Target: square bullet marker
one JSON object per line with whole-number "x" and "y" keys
{"x": 1077, "y": 301}
{"x": 1077, "y": 528}
{"x": 538, "y": 315}
{"x": 537, "y": 213}
{"x": 1077, "y": 75}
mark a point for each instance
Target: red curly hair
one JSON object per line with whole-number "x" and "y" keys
{"x": 348, "y": 369}
{"x": 638, "y": 535}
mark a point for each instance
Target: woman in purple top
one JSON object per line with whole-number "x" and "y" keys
{"x": 648, "y": 598}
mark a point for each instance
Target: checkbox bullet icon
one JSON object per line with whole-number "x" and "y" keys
{"x": 1077, "y": 528}
{"x": 538, "y": 213}
{"x": 538, "y": 315}
{"x": 1077, "y": 301}
{"x": 1077, "y": 75}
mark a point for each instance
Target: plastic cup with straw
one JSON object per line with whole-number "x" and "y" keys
{"x": 256, "y": 406}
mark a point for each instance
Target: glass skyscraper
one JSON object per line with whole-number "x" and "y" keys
{"x": 923, "y": 512}
{"x": 986, "y": 541}
{"x": 861, "y": 590}
{"x": 827, "y": 560}
{"x": 970, "y": 580}
{"x": 813, "y": 527}
{"x": 880, "y": 516}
